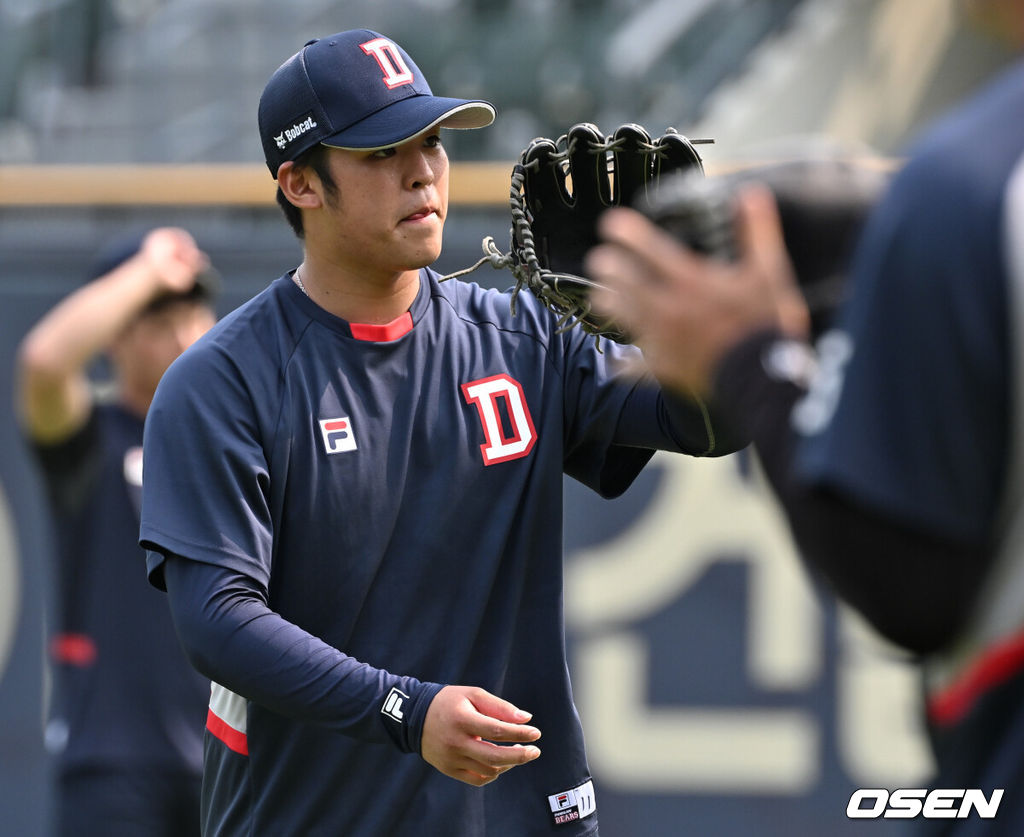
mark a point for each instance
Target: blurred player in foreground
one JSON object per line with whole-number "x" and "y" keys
{"x": 127, "y": 716}
{"x": 354, "y": 494}
{"x": 898, "y": 449}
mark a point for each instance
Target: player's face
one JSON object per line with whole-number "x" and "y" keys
{"x": 155, "y": 339}
{"x": 389, "y": 211}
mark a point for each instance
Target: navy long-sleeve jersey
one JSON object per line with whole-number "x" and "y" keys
{"x": 383, "y": 506}
{"x": 927, "y": 423}
{"x": 125, "y": 697}
{"x": 902, "y": 468}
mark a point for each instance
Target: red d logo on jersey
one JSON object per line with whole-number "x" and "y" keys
{"x": 487, "y": 394}
{"x": 396, "y": 71}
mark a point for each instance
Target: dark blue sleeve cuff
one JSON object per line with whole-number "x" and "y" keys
{"x": 403, "y": 714}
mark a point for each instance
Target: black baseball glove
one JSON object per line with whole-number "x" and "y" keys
{"x": 823, "y": 198}
{"x": 560, "y": 187}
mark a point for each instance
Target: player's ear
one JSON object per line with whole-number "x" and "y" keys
{"x": 300, "y": 185}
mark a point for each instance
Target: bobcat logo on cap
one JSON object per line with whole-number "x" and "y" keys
{"x": 305, "y": 124}
{"x": 396, "y": 71}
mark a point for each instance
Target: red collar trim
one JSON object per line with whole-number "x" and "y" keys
{"x": 383, "y": 333}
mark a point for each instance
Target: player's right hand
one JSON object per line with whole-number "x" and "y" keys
{"x": 173, "y": 259}
{"x": 686, "y": 311}
{"x": 474, "y": 736}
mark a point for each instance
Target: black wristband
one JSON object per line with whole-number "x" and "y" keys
{"x": 759, "y": 380}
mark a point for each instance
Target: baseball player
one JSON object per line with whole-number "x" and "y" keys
{"x": 127, "y": 712}
{"x": 896, "y": 450}
{"x": 354, "y": 494}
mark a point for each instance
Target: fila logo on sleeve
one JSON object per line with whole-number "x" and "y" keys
{"x": 396, "y": 71}
{"x": 502, "y": 445}
{"x": 393, "y": 704}
{"x": 338, "y": 434}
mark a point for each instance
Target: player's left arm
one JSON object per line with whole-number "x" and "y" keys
{"x": 614, "y": 423}
{"x": 665, "y": 420}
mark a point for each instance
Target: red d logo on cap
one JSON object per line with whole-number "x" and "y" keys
{"x": 396, "y": 72}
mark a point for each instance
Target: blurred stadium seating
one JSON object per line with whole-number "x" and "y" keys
{"x": 99, "y": 81}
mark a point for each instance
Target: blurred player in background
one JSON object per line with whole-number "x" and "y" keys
{"x": 898, "y": 450}
{"x": 354, "y": 494}
{"x": 128, "y": 710}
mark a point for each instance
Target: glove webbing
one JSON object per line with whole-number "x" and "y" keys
{"x": 572, "y": 308}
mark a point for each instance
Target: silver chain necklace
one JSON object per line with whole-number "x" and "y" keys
{"x": 298, "y": 281}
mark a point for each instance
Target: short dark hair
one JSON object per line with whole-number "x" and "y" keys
{"x": 316, "y": 159}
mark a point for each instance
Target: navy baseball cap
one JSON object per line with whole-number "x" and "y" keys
{"x": 356, "y": 90}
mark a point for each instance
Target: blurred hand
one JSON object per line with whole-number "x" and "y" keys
{"x": 473, "y": 736}
{"x": 172, "y": 258}
{"x": 686, "y": 311}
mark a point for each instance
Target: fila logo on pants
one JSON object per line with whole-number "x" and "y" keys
{"x": 504, "y": 442}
